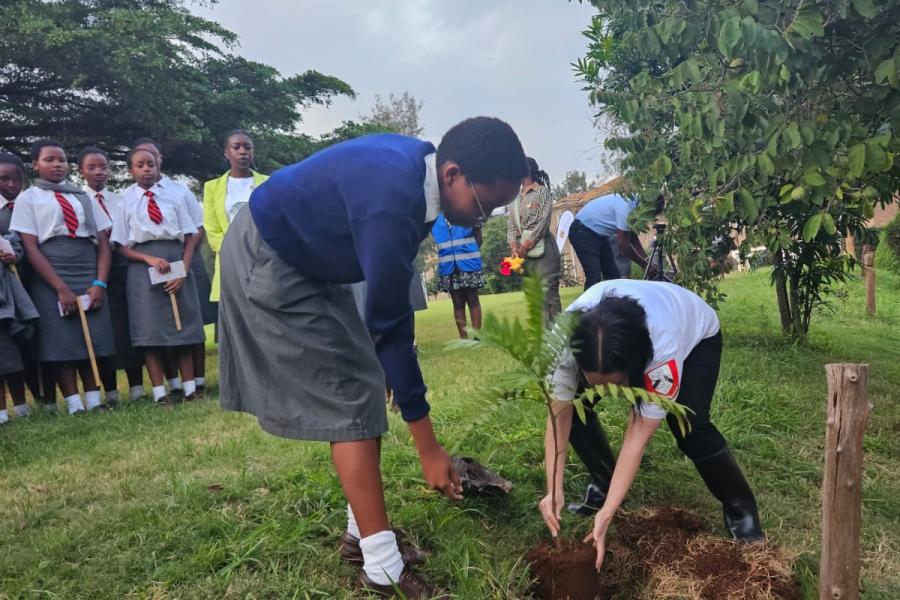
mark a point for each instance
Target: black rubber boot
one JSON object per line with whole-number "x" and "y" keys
{"x": 723, "y": 477}
{"x": 592, "y": 447}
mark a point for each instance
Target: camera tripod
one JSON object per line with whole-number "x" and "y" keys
{"x": 656, "y": 262}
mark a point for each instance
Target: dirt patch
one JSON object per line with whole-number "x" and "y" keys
{"x": 663, "y": 553}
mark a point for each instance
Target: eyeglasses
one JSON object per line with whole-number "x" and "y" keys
{"x": 484, "y": 216}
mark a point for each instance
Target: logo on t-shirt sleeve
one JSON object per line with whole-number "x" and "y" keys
{"x": 663, "y": 379}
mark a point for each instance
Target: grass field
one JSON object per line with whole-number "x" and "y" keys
{"x": 198, "y": 503}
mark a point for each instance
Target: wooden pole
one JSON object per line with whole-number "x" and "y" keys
{"x": 847, "y": 414}
{"x": 89, "y": 343}
{"x": 869, "y": 274}
{"x": 175, "y": 312}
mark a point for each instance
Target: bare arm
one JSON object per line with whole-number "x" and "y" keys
{"x": 556, "y": 445}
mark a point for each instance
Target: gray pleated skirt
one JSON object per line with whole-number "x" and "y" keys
{"x": 293, "y": 351}
{"x": 10, "y": 355}
{"x": 127, "y": 356}
{"x": 151, "y": 319}
{"x": 61, "y": 338}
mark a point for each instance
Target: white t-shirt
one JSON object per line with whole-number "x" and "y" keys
{"x": 678, "y": 320}
{"x": 132, "y": 224}
{"x": 37, "y": 212}
{"x": 237, "y": 195}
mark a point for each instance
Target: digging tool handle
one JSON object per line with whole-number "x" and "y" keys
{"x": 175, "y": 312}
{"x": 88, "y": 342}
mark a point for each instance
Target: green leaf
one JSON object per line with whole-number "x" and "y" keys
{"x": 808, "y": 24}
{"x": 579, "y": 409}
{"x": 751, "y": 82}
{"x": 725, "y": 204}
{"x": 798, "y": 193}
{"x": 868, "y": 209}
{"x": 791, "y": 134}
{"x": 856, "y": 161}
{"x": 886, "y": 71}
{"x": 748, "y": 205}
{"x": 729, "y": 36}
{"x": 811, "y": 229}
{"x": 828, "y": 224}
{"x": 765, "y": 164}
{"x": 865, "y": 8}
{"x": 813, "y": 178}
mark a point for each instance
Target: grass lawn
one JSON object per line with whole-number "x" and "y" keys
{"x": 198, "y": 503}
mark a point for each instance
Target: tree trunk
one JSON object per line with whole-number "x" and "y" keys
{"x": 784, "y": 306}
{"x": 847, "y": 413}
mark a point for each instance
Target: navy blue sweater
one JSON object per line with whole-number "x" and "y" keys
{"x": 356, "y": 211}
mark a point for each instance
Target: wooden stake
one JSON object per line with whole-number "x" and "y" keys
{"x": 847, "y": 414}
{"x": 175, "y": 312}
{"x": 869, "y": 274}
{"x": 88, "y": 342}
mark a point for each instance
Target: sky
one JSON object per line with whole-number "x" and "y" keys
{"x": 505, "y": 58}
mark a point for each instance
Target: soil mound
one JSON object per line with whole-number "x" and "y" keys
{"x": 662, "y": 553}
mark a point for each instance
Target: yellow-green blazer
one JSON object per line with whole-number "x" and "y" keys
{"x": 215, "y": 220}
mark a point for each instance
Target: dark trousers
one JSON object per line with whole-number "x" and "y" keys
{"x": 594, "y": 253}
{"x": 698, "y": 383}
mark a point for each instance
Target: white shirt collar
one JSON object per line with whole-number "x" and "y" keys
{"x": 432, "y": 189}
{"x": 92, "y": 193}
{"x": 4, "y": 202}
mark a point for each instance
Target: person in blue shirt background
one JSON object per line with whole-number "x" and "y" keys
{"x": 294, "y": 350}
{"x": 604, "y": 242}
{"x": 460, "y": 269}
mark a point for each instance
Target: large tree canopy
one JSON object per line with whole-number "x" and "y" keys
{"x": 776, "y": 120}
{"x": 107, "y": 71}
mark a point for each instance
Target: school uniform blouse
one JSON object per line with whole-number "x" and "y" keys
{"x": 178, "y": 190}
{"x": 37, "y": 212}
{"x": 132, "y": 224}
{"x": 358, "y": 211}
{"x": 106, "y": 198}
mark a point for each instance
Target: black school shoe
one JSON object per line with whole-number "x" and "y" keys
{"x": 594, "y": 497}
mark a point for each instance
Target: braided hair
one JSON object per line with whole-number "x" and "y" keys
{"x": 537, "y": 174}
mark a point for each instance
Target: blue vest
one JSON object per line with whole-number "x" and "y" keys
{"x": 457, "y": 248}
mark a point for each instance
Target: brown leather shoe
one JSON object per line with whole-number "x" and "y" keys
{"x": 409, "y": 552}
{"x": 411, "y": 585}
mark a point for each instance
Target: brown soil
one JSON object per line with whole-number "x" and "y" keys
{"x": 662, "y": 553}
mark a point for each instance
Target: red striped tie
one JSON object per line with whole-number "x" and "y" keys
{"x": 102, "y": 205}
{"x": 69, "y": 215}
{"x": 153, "y": 208}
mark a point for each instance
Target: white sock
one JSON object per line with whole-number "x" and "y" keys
{"x": 73, "y": 403}
{"x": 159, "y": 391}
{"x": 22, "y": 410}
{"x": 4, "y": 416}
{"x": 381, "y": 557}
{"x": 352, "y": 527}
{"x": 112, "y": 395}
{"x": 175, "y": 383}
{"x": 201, "y": 381}
{"x": 92, "y": 399}
{"x": 136, "y": 391}
{"x": 190, "y": 387}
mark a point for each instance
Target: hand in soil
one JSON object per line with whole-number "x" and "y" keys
{"x": 440, "y": 474}
{"x": 552, "y": 513}
{"x": 597, "y": 537}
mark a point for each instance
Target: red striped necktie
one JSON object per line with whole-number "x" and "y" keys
{"x": 11, "y": 204}
{"x": 99, "y": 198}
{"x": 69, "y": 215}
{"x": 153, "y": 208}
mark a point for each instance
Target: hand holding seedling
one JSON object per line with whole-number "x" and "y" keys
{"x": 551, "y": 513}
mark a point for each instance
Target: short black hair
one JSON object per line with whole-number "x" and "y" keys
{"x": 134, "y": 151}
{"x": 11, "y": 159}
{"x": 141, "y": 141}
{"x": 44, "y": 143}
{"x": 87, "y": 151}
{"x": 613, "y": 337}
{"x": 235, "y": 132}
{"x": 486, "y": 149}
